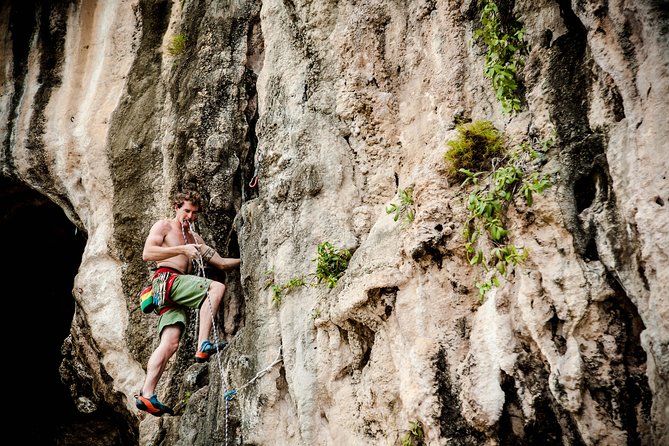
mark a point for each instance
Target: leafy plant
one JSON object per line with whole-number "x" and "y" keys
{"x": 485, "y": 230}
{"x": 178, "y": 408}
{"x": 278, "y": 290}
{"x": 477, "y": 144}
{"x": 331, "y": 263}
{"x": 549, "y": 142}
{"x": 277, "y": 294}
{"x": 535, "y": 184}
{"x": 178, "y": 45}
{"x": 505, "y": 42}
{"x": 405, "y": 208}
{"x": 187, "y": 396}
{"x": 414, "y": 436}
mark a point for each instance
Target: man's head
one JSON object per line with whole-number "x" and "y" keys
{"x": 187, "y": 206}
{"x": 190, "y": 195}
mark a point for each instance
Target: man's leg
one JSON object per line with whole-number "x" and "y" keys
{"x": 208, "y": 311}
{"x": 169, "y": 343}
{"x": 147, "y": 399}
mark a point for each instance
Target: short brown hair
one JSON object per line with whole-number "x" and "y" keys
{"x": 189, "y": 195}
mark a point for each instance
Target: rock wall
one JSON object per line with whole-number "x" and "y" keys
{"x": 338, "y": 107}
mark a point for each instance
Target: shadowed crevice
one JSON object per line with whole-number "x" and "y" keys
{"x": 46, "y": 250}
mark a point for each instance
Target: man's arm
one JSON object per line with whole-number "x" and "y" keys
{"x": 224, "y": 263}
{"x": 210, "y": 256}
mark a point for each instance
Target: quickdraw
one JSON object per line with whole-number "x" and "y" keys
{"x": 232, "y": 393}
{"x": 160, "y": 290}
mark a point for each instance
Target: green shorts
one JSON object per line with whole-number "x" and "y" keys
{"x": 187, "y": 292}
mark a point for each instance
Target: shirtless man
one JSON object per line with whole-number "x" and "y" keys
{"x": 175, "y": 248}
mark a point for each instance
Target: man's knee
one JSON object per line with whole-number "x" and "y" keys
{"x": 169, "y": 340}
{"x": 216, "y": 289}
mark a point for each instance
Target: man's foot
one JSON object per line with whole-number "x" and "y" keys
{"x": 152, "y": 405}
{"x": 207, "y": 348}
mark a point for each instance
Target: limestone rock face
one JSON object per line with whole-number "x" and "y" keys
{"x": 304, "y": 122}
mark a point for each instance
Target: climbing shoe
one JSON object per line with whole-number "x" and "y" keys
{"x": 152, "y": 405}
{"x": 207, "y": 348}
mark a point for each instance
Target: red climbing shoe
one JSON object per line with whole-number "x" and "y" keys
{"x": 207, "y": 349}
{"x": 152, "y": 405}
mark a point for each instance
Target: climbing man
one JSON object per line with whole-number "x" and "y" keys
{"x": 177, "y": 249}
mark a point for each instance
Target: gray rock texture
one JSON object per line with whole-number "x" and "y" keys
{"x": 336, "y": 108}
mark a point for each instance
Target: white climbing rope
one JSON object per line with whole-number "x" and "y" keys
{"x": 198, "y": 265}
{"x": 228, "y": 395}
{"x": 231, "y": 394}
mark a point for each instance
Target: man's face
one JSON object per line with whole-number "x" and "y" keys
{"x": 187, "y": 213}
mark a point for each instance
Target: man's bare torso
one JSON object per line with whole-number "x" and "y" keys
{"x": 175, "y": 237}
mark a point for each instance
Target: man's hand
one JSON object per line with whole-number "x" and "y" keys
{"x": 192, "y": 250}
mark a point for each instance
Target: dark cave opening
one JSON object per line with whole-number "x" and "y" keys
{"x": 44, "y": 250}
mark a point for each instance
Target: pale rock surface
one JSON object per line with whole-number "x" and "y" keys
{"x": 338, "y": 106}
